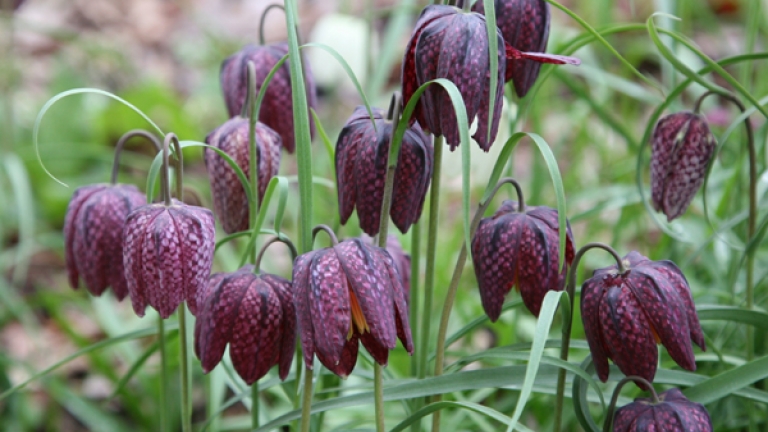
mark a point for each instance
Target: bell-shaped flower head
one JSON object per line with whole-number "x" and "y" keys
{"x": 673, "y": 413}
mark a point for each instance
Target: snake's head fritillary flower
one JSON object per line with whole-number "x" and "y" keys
{"x": 277, "y": 107}
{"x": 448, "y": 43}
{"x": 93, "y": 236}
{"x": 682, "y": 146}
{"x": 626, "y": 314}
{"x": 229, "y": 199}
{"x": 252, "y": 313}
{"x": 361, "y": 170}
{"x": 168, "y": 255}
{"x": 401, "y": 258}
{"x": 520, "y": 249}
{"x": 673, "y": 413}
{"x": 348, "y": 293}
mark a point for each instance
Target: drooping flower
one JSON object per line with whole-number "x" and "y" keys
{"x": 524, "y": 25}
{"x": 626, "y": 314}
{"x": 402, "y": 261}
{"x": 348, "y": 293}
{"x": 682, "y": 146}
{"x": 167, "y": 255}
{"x": 448, "y": 43}
{"x": 361, "y": 169}
{"x": 673, "y": 413}
{"x": 229, "y": 199}
{"x": 520, "y": 249}
{"x": 93, "y": 236}
{"x": 277, "y": 107}
{"x": 252, "y": 313}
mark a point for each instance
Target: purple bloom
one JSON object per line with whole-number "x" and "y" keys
{"x": 93, "y": 236}
{"x": 346, "y": 293}
{"x": 519, "y": 249}
{"x": 673, "y": 413}
{"x": 229, "y": 199}
{"x": 361, "y": 169}
{"x": 682, "y": 148}
{"x": 626, "y": 314}
{"x": 277, "y": 107}
{"x": 168, "y": 255}
{"x": 252, "y": 313}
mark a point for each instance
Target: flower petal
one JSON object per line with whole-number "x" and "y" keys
{"x": 301, "y": 287}
{"x": 287, "y": 347}
{"x": 329, "y": 306}
{"x": 134, "y": 236}
{"x": 218, "y": 318}
{"x": 197, "y": 236}
{"x": 592, "y": 292}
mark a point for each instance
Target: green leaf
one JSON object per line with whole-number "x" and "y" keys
{"x": 493, "y": 55}
{"x": 728, "y": 382}
{"x": 755, "y": 318}
{"x": 62, "y": 95}
{"x": 281, "y": 184}
{"x": 579, "y": 397}
{"x": 547, "y": 314}
{"x": 429, "y": 409}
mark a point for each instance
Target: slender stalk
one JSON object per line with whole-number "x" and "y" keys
{"x": 612, "y": 406}
{"x": 415, "y": 292}
{"x": 186, "y": 407}
{"x": 306, "y": 401}
{"x": 263, "y": 20}
{"x": 429, "y": 278}
{"x": 163, "y": 374}
{"x": 450, "y": 297}
{"x": 378, "y": 396}
{"x": 255, "y": 405}
{"x": 467, "y": 4}
{"x": 121, "y": 143}
{"x": 570, "y": 288}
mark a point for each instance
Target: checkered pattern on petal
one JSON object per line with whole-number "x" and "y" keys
{"x": 134, "y": 234}
{"x": 329, "y": 305}
{"x": 284, "y": 291}
{"x": 674, "y": 413}
{"x": 301, "y": 288}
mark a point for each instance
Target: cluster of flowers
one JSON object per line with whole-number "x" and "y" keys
{"x": 161, "y": 254}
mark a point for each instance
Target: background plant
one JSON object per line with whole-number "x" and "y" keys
{"x": 596, "y": 119}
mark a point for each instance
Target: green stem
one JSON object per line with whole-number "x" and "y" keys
{"x": 450, "y": 297}
{"x": 306, "y": 401}
{"x": 253, "y": 150}
{"x": 566, "y": 339}
{"x": 429, "y": 278}
{"x": 415, "y": 292}
{"x": 255, "y": 405}
{"x": 378, "y": 396}
{"x": 163, "y": 374}
{"x": 263, "y": 20}
{"x": 615, "y": 397}
{"x": 186, "y": 408}
{"x": 467, "y": 5}
{"x": 121, "y": 143}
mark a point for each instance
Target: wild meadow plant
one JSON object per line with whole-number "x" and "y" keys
{"x": 463, "y": 63}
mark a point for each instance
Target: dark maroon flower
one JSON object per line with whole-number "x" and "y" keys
{"x": 168, "y": 255}
{"x": 346, "y": 293}
{"x": 448, "y": 43}
{"x": 673, "y": 413}
{"x": 402, "y": 261}
{"x": 626, "y": 314}
{"x": 682, "y": 148}
{"x": 93, "y": 236}
{"x": 524, "y": 25}
{"x": 277, "y": 106}
{"x": 252, "y": 313}
{"x": 361, "y": 170}
{"x": 519, "y": 249}
{"x": 229, "y": 199}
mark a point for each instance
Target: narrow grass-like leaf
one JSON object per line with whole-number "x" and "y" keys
{"x": 547, "y": 314}
{"x": 463, "y": 124}
{"x": 493, "y": 56}
{"x": 62, "y": 95}
{"x": 96, "y": 346}
{"x": 728, "y": 382}
{"x": 329, "y": 147}
{"x": 680, "y": 66}
{"x": 579, "y": 397}
{"x": 281, "y": 184}
{"x": 429, "y": 409}
{"x": 23, "y": 200}
{"x": 605, "y": 43}
{"x": 758, "y": 319}
{"x": 90, "y": 415}
{"x": 477, "y": 322}
{"x": 301, "y": 128}
{"x": 135, "y": 367}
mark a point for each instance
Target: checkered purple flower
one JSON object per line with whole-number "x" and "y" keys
{"x": 673, "y": 413}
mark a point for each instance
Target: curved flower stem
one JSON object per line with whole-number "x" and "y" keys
{"x": 121, "y": 143}
{"x": 570, "y": 288}
{"x": 415, "y": 292}
{"x": 253, "y": 148}
{"x": 186, "y": 408}
{"x": 165, "y": 177}
{"x": 612, "y": 406}
{"x": 378, "y": 396}
{"x": 255, "y": 405}
{"x": 263, "y": 19}
{"x": 752, "y": 218}
{"x": 328, "y": 230}
{"x": 163, "y": 373}
{"x": 172, "y": 139}
{"x": 306, "y": 401}
{"x": 281, "y": 239}
{"x": 450, "y": 297}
